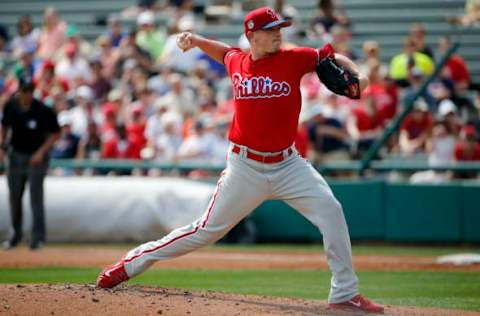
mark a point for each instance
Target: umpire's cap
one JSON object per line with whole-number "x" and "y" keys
{"x": 262, "y": 19}
{"x": 25, "y": 83}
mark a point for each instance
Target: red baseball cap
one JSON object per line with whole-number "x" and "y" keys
{"x": 262, "y": 19}
{"x": 469, "y": 131}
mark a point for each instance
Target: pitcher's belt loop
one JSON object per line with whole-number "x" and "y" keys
{"x": 265, "y": 158}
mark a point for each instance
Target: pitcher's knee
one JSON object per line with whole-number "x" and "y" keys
{"x": 210, "y": 234}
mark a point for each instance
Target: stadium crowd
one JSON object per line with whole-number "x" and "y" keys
{"x": 132, "y": 94}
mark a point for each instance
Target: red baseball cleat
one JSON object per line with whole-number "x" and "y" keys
{"x": 112, "y": 275}
{"x": 359, "y": 303}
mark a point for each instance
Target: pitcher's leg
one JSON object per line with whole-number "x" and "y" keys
{"x": 303, "y": 188}
{"x": 238, "y": 192}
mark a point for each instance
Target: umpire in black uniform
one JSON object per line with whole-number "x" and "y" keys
{"x": 29, "y": 129}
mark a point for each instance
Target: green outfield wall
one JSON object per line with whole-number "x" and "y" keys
{"x": 378, "y": 210}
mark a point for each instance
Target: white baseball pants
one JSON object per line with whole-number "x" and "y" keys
{"x": 244, "y": 185}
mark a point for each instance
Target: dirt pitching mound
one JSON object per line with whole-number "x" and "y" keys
{"x": 82, "y": 300}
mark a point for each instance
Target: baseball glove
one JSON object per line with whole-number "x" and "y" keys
{"x": 336, "y": 78}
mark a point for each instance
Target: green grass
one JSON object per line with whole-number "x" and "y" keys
{"x": 457, "y": 290}
{"x": 393, "y": 250}
{"x": 356, "y": 249}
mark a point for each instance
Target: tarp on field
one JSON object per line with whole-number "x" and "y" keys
{"x": 112, "y": 208}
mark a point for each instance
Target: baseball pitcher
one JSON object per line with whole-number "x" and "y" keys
{"x": 262, "y": 162}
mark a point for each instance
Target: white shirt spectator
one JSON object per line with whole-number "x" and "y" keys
{"x": 72, "y": 71}
{"x": 198, "y": 148}
{"x": 173, "y": 56}
{"x": 26, "y": 43}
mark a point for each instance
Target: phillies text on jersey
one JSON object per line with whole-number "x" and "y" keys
{"x": 258, "y": 87}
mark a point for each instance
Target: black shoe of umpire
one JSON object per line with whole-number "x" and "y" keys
{"x": 36, "y": 245}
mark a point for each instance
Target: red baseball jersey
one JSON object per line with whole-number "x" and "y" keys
{"x": 267, "y": 98}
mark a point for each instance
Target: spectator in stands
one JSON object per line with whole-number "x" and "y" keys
{"x": 336, "y": 106}
{"x": 158, "y": 83}
{"x": 386, "y": 99}
{"x": 53, "y": 34}
{"x": 340, "y": 40}
{"x": 467, "y": 149}
{"x": 119, "y": 146}
{"x": 135, "y": 126}
{"x": 73, "y": 36}
{"x": 131, "y": 52}
{"x": 248, "y": 5}
{"x": 27, "y": 37}
{"x": 149, "y": 37}
{"x": 107, "y": 55}
{"x": 364, "y": 125}
{"x": 172, "y": 55}
{"x": 66, "y": 146}
{"x": 135, "y": 82}
{"x": 3, "y": 88}
{"x": 325, "y": 18}
{"x": 145, "y": 101}
{"x": 155, "y": 126}
{"x": 455, "y": 68}
{"x": 57, "y": 99}
{"x": 45, "y": 80}
{"x": 118, "y": 100}
{"x": 402, "y": 64}
{"x": 4, "y": 39}
{"x": 220, "y": 142}
{"x": 371, "y": 55}
{"x": 180, "y": 98}
{"x": 142, "y": 6}
{"x": 415, "y": 129}
{"x": 4, "y": 57}
{"x": 294, "y": 33}
{"x": 181, "y": 9}
{"x": 100, "y": 83}
{"x": 199, "y": 145}
{"x": 115, "y": 32}
{"x": 73, "y": 68}
{"x": 440, "y": 149}
{"x": 328, "y": 137}
{"x": 417, "y": 34}
{"x": 447, "y": 113}
{"x": 415, "y": 80}
{"x": 471, "y": 16}
{"x": 90, "y": 145}
{"x": 84, "y": 111}
{"x": 25, "y": 67}
{"x": 168, "y": 142}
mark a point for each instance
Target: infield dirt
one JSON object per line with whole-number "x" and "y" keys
{"x": 69, "y": 299}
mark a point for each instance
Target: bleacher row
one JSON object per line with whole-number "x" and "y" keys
{"x": 387, "y": 22}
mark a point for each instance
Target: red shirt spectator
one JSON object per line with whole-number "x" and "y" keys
{"x": 467, "y": 149}
{"x": 456, "y": 69}
{"x": 136, "y": 127}
{"x": 120, "y": 146}
{"x": 46, "y": 80}
{"x": 366, "y": 121}
{"x": 417, "y": 123}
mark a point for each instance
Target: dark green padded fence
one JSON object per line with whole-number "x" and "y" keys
{"x": 470, "y": 201}
{"x": 376, "y": 210}
{"x": 422, "y": 212}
